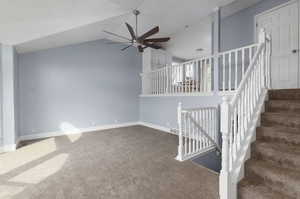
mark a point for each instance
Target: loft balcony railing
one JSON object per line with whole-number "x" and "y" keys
{"x": 196, "y": 77}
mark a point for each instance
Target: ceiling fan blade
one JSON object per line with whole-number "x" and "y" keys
{"x": 116, "y": 35}
{"x": 163, "y": 39}
{"x": 118, "y": 42}
{"x": 149, "y": 33}
{"x": 152, "y": 46}
{"x": 131, "y": 31}
{"x": 126, "y": 47}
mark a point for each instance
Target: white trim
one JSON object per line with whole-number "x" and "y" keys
{"x": 197, "y": 154}
{"x": 13, "y": 147}
{"x": 157, "y": 127}
{"x": 83, "y": 130}
{"x": 269, "y": 11}
{"x": 245, "y": 153}
{"x": 277, "y": 7}
{"x": 226, "y": 93}
{"x": 8, "y": 148}
{"x": 179, "y": 95}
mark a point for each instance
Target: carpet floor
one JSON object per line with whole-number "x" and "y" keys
{"x": 126, "y": 163}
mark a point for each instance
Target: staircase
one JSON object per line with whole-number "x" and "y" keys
{"x": 273, "y": 172}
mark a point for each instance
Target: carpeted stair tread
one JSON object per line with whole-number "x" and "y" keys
{"x": 273, "y": 172}
{"x": 252, "y": 190}
{"x": 282, "y": 155}
{"x": 291, "y": 120}
{"x": 283, "y": 106}
{"x": 279, "y": 135}
{"x": 286, "y": 181}
{"x": 284, "y": 94}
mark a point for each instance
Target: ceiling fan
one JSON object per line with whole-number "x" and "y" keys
{"x": 143, "y": 41}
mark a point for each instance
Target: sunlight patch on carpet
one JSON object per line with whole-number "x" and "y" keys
{"x": 42, "y": 171}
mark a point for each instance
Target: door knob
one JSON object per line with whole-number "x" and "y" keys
{"x": 295, "y": 50}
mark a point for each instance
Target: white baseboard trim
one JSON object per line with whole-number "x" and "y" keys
{"x": 8, "y": 148}
{"x": 79, "y": 131}
{"x": 157, "y": 127}
{"x": 83, "y": 130}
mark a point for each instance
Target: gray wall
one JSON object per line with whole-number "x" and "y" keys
{"x": 163, "y": 110}
{"x": 1, "y": 123}
{"x": 238, "y": 30}
{"x": 81, "y": 85}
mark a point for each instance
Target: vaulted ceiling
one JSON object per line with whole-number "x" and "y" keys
{"x": 39, "y": 24}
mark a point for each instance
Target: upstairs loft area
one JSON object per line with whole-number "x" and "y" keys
{"x": 199, "y": 76}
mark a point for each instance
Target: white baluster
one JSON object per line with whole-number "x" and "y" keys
{"x": 180, "y": 135}
{"x": 197, "y": 135}
{"x": 194, "y": 134}
{"x": 250, "y": 55}
{"x": 224, "y": 70}
{"x": 186, "y": 135}
{"x": 243, "y": 62}
{"x": 197, "y": 76}
{"x": 224, "y": 182}
{"x": 236, "y": 70}
{"x": 201, "y": 75}
{"x": 177, "y": 80}
{"x": 157, "y": 83}
{"x": 229, "y": 76}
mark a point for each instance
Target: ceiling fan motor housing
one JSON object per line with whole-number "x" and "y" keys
{"x": 136, "y": 12}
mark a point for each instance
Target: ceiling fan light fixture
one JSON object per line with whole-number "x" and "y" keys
{"x": 143, "y": 41}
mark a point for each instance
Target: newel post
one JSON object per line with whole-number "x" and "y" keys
{"x": 224, "y": 182}
{"x": 179, "y": 120}
{"x": 262, "y": 40}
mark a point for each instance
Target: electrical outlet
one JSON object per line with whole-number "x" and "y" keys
{"x": 116, "y": 121}
{"x": 168, "y": 123}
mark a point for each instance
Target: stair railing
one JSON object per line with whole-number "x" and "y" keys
{"x": 233, "y": 65}
{"x": 192, "y": 77}
{"x": 240, "y": 117}
{"x": 197, "y": 131}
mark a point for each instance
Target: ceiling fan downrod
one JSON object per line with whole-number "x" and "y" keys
{"x": 136, "y": 13}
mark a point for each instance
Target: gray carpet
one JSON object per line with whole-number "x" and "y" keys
{"x": 125, "y": 163}
{"x": 273, "y": 172}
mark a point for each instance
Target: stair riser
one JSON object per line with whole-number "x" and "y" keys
{"x": 280, "y": 121}
{"x": 274, "y": 182}
{"x": 278, "y": 137}
{"x": 257, "y": 192}
{"x": 275, "y": 107}
{"x": 286, "y": 140}
{"x": 293, "y": 94}
{"x": 248, "y": 195}
{"x": 279, "y": 159}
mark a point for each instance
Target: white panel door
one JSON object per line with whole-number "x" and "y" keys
{"x": 283, "y": 25}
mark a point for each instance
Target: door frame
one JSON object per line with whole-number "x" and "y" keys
{"x": 272, "y": 10}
